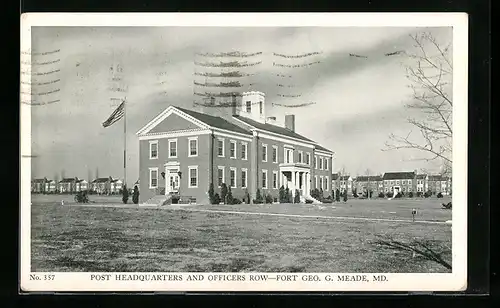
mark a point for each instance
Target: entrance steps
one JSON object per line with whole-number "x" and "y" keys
{"x": 159, "y": 200}
{"x": 303, "y": 199}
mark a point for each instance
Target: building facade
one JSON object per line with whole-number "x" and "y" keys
{"x": 184, "y": 151}
{"x": 346, "y": 184}
{"x": 439, "y": 184}
{"x": 373, "y": 183}
{"x": 395, "y": 182}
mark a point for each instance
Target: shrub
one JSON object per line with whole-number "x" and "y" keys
{"x": 135, "y": 195}
{"x": 216, "y": 198}
{"x": 381, "y": 195}
{"x": 211, "y": 193}
{"x": 439, "y": 195}
{"x": 288, "y": 195}
{"x": 281, "y": 194}
{"x": 345, "y": 196}
{"x": 247, "y": 197}
{"x": 236, "y": 201}
{"x": 296, "y": 199}
{"x": 389, "y": 194}
{"x": 427, "y": 194}
{"x": 125, "y": 196}
{"x": 398, "y": 195}
{"x": 355, "y": 195}
{"x": 402, "y": 193}
{"x": 258, "y": 197}
{"x": 410, "y": 194}
{"x": 315, "y": 193}
{"x": 337, "y": 195}
{"x": 419, "y": 194}
{"x": 229, "y": 196}
{"x": 269, "y": 198}
{"x": 223, "y": 192}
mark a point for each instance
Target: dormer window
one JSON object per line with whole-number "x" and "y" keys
{"x": 249, "y": 106}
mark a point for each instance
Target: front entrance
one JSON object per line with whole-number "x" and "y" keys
{"x": 173, "y": 183}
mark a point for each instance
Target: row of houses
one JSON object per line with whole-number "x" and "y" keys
{"x": 405, "y": 182}
{"x": 72, "y": 185}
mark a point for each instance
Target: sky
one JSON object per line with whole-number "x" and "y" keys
{"x": 358, "y": 102}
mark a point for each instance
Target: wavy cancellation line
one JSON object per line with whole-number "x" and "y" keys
{"x": 220, "y": 94}
{"x": 234, "y": 54}
{"x": 232, "y": 84}
{"x": 227, "y": 64}
{"x": 295, "y": 65}
{"x": 224, "y": 74}
{"x": 41, "y": 53}
{"x": 297, "y": 56}
{"x": 294, "y": 106}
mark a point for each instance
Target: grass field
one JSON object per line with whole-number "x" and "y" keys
{"x": 114, "y": 239}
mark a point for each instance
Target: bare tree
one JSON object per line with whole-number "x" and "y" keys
{"x": 429, "y": 72}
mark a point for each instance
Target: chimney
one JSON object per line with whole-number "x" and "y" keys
{"x": 290, "y": 122}
{"x": 233, "y": 105}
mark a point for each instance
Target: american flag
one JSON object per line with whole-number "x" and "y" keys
{"x": 115, "y": 116}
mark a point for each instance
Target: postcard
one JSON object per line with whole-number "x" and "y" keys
{"x": 182, "y": 152}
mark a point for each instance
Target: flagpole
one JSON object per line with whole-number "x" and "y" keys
{"x": 125, "y": 143}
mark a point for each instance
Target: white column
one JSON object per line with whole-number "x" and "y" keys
{"x": 303, "y": 187}
{"x": 297, "y": 181}
{"x": 308, "y": 183}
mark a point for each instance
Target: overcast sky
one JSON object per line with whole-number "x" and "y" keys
{"x": 358, "y": 101}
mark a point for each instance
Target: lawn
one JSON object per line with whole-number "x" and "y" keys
{"x": 113, "y": 239}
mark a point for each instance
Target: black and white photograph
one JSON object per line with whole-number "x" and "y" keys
{"x": 243, "y": 151}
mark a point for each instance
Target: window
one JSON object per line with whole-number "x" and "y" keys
{"x": 275, "y": 179}
{"x": 220, "y": 147}
{"x": 243, "y": 178}
{"x": 326, "y": 163}
{"x": 232, "y": 149}
{"x": 261, "y": 108}
{"x": 300, "y": 157}
{"x": 404, "y": 189}
{"x": 386, "y": 182}
{"x": 386, "y": 189}
{"x": 264, "y": 152}
{"x": 249, "y": 106}
{"x": 403, "y": 182}
{"x": 232, "y": 177}
{"x": 153, "y": 149}
{"x": 409, "y": 182}
{"x": 220, "y": 175}
{"x": 321, "y": 182}
{"x": 264, "y": 179}
{"x": 308, "y": 158}
{"x": 193, "y": 147}
{"x": 392, "y": 182}
{"x": 172, "y": 148}
{"x": 326, "y": 183}
{"x": 316, "y": 181}
{"x": 315, "y": 162}
{"x": 193, "y": 176}
{"x": 244, "y": 150}
{"x": 321, "y": 163}
{"x": 153, "y": 177}
{"x": 397, "y": 182}
{"x": 275, "y": 154}
{"x": 288, "y": 156}
{"x": 409, "y": 189}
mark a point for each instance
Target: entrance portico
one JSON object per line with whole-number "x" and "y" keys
{"x": 296, "y": 176}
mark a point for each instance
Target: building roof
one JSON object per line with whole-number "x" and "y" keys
{"x": 215, "y": 121}
{"x": 366, "y": 178}
{"x": 101, "y": 180}
{"x": 39, "y": 180}
{"x": 421, "y": 176}
{"x": 317, "y": 146}
{"x": 67, "y": 180}
{"x": 335, "y": 176}
{"x": 345, "y": 177}
{"x": 438, "y": 177}
{"x": 399, "y": 175}
{"x": 273, "y": 129}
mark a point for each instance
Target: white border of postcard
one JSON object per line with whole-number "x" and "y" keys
{"x": 457, "y": 280}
